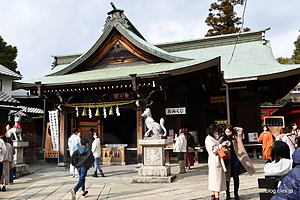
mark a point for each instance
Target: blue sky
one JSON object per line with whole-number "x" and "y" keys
{"x": 41, "y": 28}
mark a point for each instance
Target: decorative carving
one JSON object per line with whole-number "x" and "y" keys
{"x": 117, "y": 48}
{"x": 152, "y": 155}
{"x": 155, "y": 130}
{"x": 116, "y": 15}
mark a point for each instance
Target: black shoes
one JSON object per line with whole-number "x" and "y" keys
{"x": 3, "y": 188}
{"x": 84, "y": 193}
{"x": 101, "y": 172}
{"x": 95, "y": 175}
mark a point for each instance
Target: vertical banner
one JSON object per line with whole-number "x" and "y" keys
{"x": 54, "y": 127}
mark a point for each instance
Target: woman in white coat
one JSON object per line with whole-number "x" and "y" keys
{"x": 2, "y": 152}
{"x": 96, "y": 149}
{"x": 6, "y": 159}
{"x": 180, "y": 147}
{"x": 216, "y": 166}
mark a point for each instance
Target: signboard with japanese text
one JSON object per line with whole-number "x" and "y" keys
{"x": 54, "y": 127}
{"x": 218, "y": 99}
{"x": 175, "y": 111}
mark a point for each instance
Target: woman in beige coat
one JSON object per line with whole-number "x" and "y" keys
{"x": 239, "y": 159}
{"x": 180, "y": 147}
{"x": 7, "y": 158}
{"x": 216, "y": 166}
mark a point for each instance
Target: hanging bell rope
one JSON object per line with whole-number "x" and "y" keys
{"x": 100, "y": 105}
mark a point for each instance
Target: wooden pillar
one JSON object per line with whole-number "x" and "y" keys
{"x": 100, "y": 129}
{"x": 139, "y": 132}
{"x": 44, "y": 123}
{"x": 63, "y": 133}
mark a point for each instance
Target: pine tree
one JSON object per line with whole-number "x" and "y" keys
{"x": 282, "y": 60}
{"x": 222, "y": 18}
{"x": 8, "y": 55}
{"x": 296, "y": 54}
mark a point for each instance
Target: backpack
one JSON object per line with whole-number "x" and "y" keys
{"x": 74, "y": 158}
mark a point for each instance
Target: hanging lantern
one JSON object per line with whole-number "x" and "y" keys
{"x": 97, "y": 114}
{"x": 84, "y": 112}
{"x": 118, "y": 111}
{"x": 111, "y": 111}
{"x": 104, "y": 112}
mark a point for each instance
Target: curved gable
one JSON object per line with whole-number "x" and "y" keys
{"x": 118, "y": 32}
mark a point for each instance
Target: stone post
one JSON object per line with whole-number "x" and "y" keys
{"x": 153, "y": 169}
{"x": 19, "y": 151}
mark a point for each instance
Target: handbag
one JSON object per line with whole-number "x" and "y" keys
{"x": 224, "y": 153}
{"x": 11, "y": 165}
{"x": 191, "y": 150}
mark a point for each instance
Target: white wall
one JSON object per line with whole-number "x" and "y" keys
{"x": 6, "y": 84}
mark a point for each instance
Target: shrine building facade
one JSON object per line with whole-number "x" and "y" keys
{"x": 191, "y": 84}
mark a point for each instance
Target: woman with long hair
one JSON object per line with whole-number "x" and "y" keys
{"x": 239, "y": 159}
{"x": 216, "y": 166}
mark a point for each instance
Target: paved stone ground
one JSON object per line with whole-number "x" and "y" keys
{"x": 52, "y": 183}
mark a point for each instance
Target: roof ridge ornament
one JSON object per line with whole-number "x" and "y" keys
{"x": 116, "y": 15}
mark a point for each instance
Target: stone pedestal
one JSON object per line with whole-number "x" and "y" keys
{"x": 19, "y": 151}
{"x": 153, "y": 169}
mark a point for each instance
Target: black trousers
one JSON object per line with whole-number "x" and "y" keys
{"x": 180, "y": 155}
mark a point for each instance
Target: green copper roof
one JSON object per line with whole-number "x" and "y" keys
{"x": 115, "y": 72}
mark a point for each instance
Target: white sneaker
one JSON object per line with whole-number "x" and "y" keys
{"x": 71, "y": 175}
{"x": 73, "y": 195}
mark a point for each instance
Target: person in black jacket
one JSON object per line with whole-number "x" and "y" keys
{"x": 82, "y": 159}
{"x": 91, "y": 137}
{"x": 189, "y": 155}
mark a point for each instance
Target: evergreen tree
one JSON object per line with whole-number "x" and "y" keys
{"x": 296, "y": 54}
{"x": 295, "y": 59}
{"x": 282, "y": 60}
{"x": 222, "y": 18}
{"x": 8, "y": 55}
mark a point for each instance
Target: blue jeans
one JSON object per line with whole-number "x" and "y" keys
{"x": 97, "y": 164}
{"x": 82, "y": 171}
{"x": 235, "y": 172}
{"x": 11, "y": 175}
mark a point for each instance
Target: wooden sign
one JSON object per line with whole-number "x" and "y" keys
{"x": 175, "y": 111}
{"x": 218, "y": 99}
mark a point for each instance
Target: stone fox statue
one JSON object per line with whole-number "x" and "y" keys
{"x": 158, "y": 130}
{"x": 16, "y": 129}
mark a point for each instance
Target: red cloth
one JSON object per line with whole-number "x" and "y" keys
{"x": 189, "y": 159}
{"x": 17, "y": 126}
